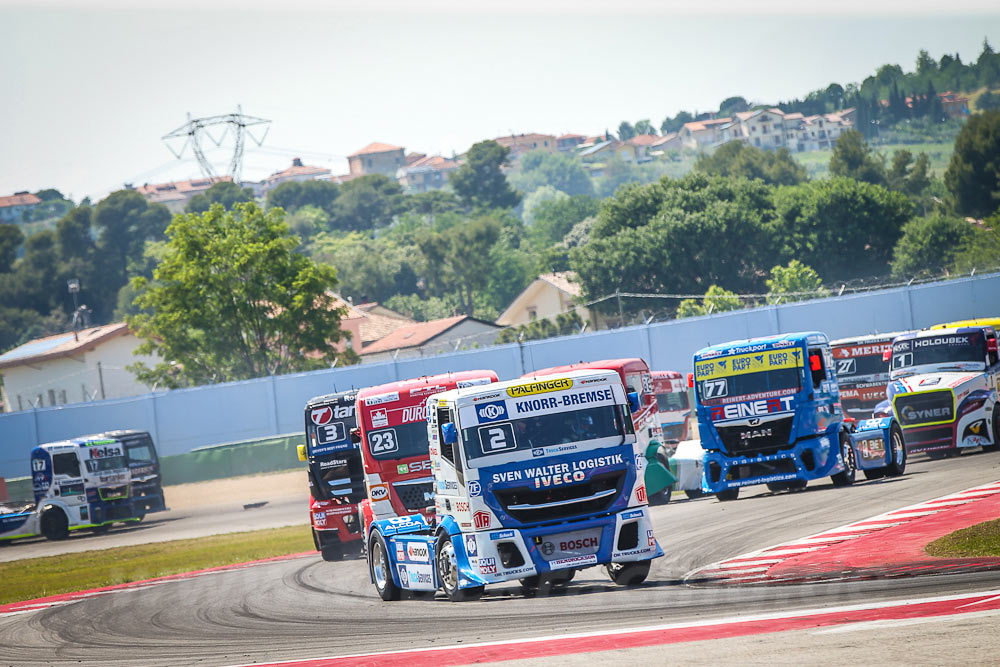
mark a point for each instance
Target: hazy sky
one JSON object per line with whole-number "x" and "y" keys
{"x": 88, "y": 92}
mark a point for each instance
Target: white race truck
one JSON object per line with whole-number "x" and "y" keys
{"x": 534, "y": 480}
{"x": 81, "y": 483}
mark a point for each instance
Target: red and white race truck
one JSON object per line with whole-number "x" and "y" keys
{"x": 862, "y": 372}
{"x": 392, "y": 434}
{"x": 672, "y": 404}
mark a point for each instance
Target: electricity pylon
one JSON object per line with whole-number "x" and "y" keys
{"x": 195, "y": 130}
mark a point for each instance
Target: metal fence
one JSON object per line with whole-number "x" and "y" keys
{"x": 184, "y": 419}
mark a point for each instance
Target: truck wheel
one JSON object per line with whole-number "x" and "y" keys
{"x": 447, "y": 569}
{"x": 729, "y": 494}
{"x": 628, "y": 574}
{"x": 846, "y": 478}
{"x": 897, "y": 446}
{"x": 542, "y": 584}
{"x": 55, "y": 525}
{"x": 995, "y": 447}
{"x": 333, "y": 552}
{"x": 694, "y": 493}
{"x": 775, "y": 487}
{"x": 661, "y": 498}
{"x": 102, "y": 529}
{"x": 378, "y": 564}
{"x": 874, "y": 473}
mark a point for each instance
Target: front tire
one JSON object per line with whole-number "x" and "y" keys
{"x": 628, "y": 574}
{"x": 995, "y": 447}
{"x": 661, "y": 498}
{"x": 54, "y": 524}
{"x": 850, "y": 472}
{"x": 729, "y": 494}
{"x": 694, "y": 493}
{"x": 448, "y": 575}
{"x": 378, "y": 565}
{"x": 897, "y": 446}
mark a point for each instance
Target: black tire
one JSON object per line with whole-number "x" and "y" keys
{"x": 897, "y": 447}
{"x": 378, "y": 566}
{"x": 101, "y": 530}
{"x": 874, "y": 473}
{"x": 729, "y": 494}
{"x": 796, "y": 485}
{"x": 846, "y": 477}
{"x": 333, "y": 552}
{"x": 628, "y": 574}
{"x": 54, "y": 524}
{"x": 661, "y": 498}
{"x": 542, "y": 584}
{"x": 995, "y": 447}
{"x": 938, "y": 454}
{"x": 775, "y": 487}
{"x": 447, "y": 570}
{"x": 694, "y": 493}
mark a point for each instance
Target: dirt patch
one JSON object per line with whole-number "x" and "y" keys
{"x": 249, "y": 489}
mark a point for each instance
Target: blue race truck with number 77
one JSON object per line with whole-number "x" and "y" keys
{"x": 769, "y": 412}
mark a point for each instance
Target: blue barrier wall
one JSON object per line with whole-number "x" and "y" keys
{"x": 184, "y": 419}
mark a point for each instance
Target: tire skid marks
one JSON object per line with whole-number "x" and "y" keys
{"x": 748, "y": 568}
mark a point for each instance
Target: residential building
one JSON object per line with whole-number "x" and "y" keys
{"x": 770, "y": 129}
{"x": 567, "y": 143}
{"x": 702, "y": 133}
{"x": 956, "y": 106}
{"x": 545, "y": 297}
{"x": 426, "y": 173}
{"x": 376, "y": 158}
{"x": 366, "y": 324}
{"x": 519, "y": 144}
{"x": 72, "y": 367}
{"x": 423, "y": 339}
{"x": 641, "y": 144}
{"x": 14, "y": 206}
{"x": 663, "y": 145}
{"x": 296, "y": 172}
{"x": 176, "y": 194}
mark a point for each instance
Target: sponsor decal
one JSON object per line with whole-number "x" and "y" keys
{"x": 577, "y": 398}
{"x": 482, "y": 520}
{"x": 414, "y": 413}
{"x": 633, "y": 514}
{"x": 575, "y": 561}
{"x": 912, "y": 415}
{"x": 579, "y": 544}
{"x": 417, "y": 552}
{"x": 650, "y": 540}
{"x": 379, "y": 399}
{"x": 539, "y": 387}
{"x": 640, "y": 494}
{"x": 487, "y": 397}
{"x": 321, "y": 416}
{"x": 928, "y": 382}
{"x": 400, "y": 551}
{"x": 520, "y": 570}
{"x": 445, "y": 485}
{"x": 751, "y": 408}
{"x": 761, "y": 480}
{"x": 853, "y": 351}
{"x": 564, "y": 471}
{"x": 502, "y": 535}
{"x": 378, "y": 492}
{"x": 487, "y": 566}
{"x": 423, "y": 391}
{"x": 380, "y": 418}
{"x": 402, "y": 469}
{"x": 403, "y": 575}
{"x": 537, "y": 452}
{"x": 475, "y": 490}
{"x": 416, "y": 466}
{"x": 471, "y": 548}
{"x": 332, "y": 463}
{"x": 561, "y": 449}
{"x": 319, "y": 518}
{"x": 635, "y": 552}
{"x": 872, "y": 449}
{"x": 491, "y": 412}
{"x": 747, "y": 363}
{"x": 104, "y": 451}
{"x": 419, "y": 577}
{"x": 461, "y": 507}
{"x": 940, "y": 340}
{"x": 474, "y": 382}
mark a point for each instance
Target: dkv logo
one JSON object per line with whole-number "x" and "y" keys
{"x": 481, "y": 520}
{"x": 492, "y": 411}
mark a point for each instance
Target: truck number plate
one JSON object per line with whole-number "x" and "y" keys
{"x": 575, "y": 543}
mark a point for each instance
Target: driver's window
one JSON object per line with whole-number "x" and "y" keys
{"x": 66, "y": 464}
{"x": 448, "y": 453}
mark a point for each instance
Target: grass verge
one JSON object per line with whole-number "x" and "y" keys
{"x": 983, "y": 539}
{"x": 39, "y": 577}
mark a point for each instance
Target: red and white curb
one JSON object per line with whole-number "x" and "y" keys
{"x": 753, "y": 567}
{"x": 933, "y": 608}
{"x": 40, "y": 604}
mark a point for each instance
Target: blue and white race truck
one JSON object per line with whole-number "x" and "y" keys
{"x": 769, "y": 412}
{"x": 80, "y": 483}
{"x": 534, "y": 479}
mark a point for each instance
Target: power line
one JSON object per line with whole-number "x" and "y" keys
{"x": 195, "y": 130}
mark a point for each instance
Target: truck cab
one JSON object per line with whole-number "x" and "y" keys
{"x": 336, "y": 474}
{"x": 943, "y": 389}
{"x": 769, "y": 412}
{"x": 144, "y": 467}
{"x": 862, "y": 372}
{"x": 392, "y": 435}
{"x": 535, "y": 480}
{"x": 673, "y": 408}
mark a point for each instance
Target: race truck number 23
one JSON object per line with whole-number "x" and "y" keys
{"x": 383, "y": 441}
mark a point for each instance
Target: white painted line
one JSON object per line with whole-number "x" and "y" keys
{"x": 822, "y": 538}
{"x": 867, "y": 527}
{"x": 903, "y": 622}
{"x": 973, "y": 604}
{"x": 764, "y": 561}
{"x": 739, "y": 573}
{"x": 946, "y": 503}
{"x": 790, "y": 552}
{"x": 910, "y": 514}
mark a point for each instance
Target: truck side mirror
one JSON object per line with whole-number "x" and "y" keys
{"x": 355, "y": 435}
{"x": 690, "y": 380}
{"x": 991, "y": 344}
{"x": 887, "y": 356}
{"x": 302, "y": 452}
{"x": 815, "y": 362}
{"x": 633, "y": 401}
{"x": 449, "y": 434}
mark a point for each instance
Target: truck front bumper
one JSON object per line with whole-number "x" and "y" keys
{"x": 810, "y": 458}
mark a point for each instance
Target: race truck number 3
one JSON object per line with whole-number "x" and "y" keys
{"x": 383, "y": 442}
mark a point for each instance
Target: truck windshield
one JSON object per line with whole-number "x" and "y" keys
{"x": 672, "y": 401}
{"x": 398, "y": 442}
{"x": 960, "y": 349}
{"x": 862, "y": 369}
{"x": 140, "y": 454}
{"x": 543, "y": 431}
{"x": 105, "y": 464}
{"x": 749, "y": 386}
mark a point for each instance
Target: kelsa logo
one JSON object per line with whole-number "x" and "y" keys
{"x": 104, "y": 452}
{"x": 491, "y": 412}
{"x": 752, "y": 409}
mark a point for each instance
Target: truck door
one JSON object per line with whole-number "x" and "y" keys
{"x": 450, "y": 479}
{"x": 67, "y": 479}
{"x": 824, "y": 380}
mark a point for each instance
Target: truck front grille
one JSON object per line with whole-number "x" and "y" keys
{"x": 518, "y": 502}
{"x": 746, "y": 440}
{"x": 415, "y": 496}
{"x": 928, "y": 407}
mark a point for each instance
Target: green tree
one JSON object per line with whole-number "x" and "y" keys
{"x": 625, "y": 130}
{"x": 423, "y": 308}
{"x": 853, "y": 158}
{"x": 644, "y": 127}
{"x": 544, "y": 194}
{"x": 794, "y": 282}
{"x": 432, "y": 202}
{"x": 367, "y": 203}
{"x": 988, "y": 101}
{"x": 460, "y": 257}
{"x": 930, "y": 245}
{"x": 293, "y": 195}
{"x": 716, "y": 300}
{"x": 907, "y": 175}
{"x": 676, "y": 123}
{"x": 480, "y": 183}
{"x": 552, "y": 219}
{"x": 371, "y": 269}
{"x": 539, "y": 168}
{"x": 232, "y": 300}
{"x": 226, "y": 193}
{"x": 732, "y": 105}
{"x": 735, "y": 158}
{"x": 11, "y": 239}
{"x": 973, "y": 175}
{"x": 125, "y": 221}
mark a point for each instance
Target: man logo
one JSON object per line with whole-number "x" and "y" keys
{"x": 491, "y": 412}
{"x": 754, "y": 422}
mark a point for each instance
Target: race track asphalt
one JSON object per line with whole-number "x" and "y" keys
{"x": 307, "y": 608}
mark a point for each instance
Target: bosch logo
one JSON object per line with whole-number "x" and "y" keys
{"x": 576, "y": 545}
